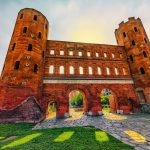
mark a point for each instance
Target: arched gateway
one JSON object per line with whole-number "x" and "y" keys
{"x": 108, "y": 100}
{"x": 91, "y": 89}
{"x": 42, "y": 72}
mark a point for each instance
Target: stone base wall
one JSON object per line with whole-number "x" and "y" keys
{"x": 28, "y": 111}
{"x": 13, "y": 95}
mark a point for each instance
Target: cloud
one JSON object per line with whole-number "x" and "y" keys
{"x": 75, "y": 20}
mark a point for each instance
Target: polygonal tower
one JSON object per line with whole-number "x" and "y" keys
{"x": 132, "y": 35}
{"x": 25, "y": 57}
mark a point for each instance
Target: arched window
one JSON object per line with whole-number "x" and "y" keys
{"x": 133, "y": 42}
{"x": 116, "y": 71}
{"x": 88, "y": 54}
{"x": 121, "y": 55}
{"x": 107, "y": 71}
{"x": 124, "y": 71}
{"x": 71, "y": 53}
{"x": 80, "y": 53}
{"x": 97, "y": 54}
{"x": 145, "y": 40}
{"x": 14, "y": 45}
{"x": 124, "y": 34}
{"x": 21, "y": 16}
{"x": 30, "y": 47}
{"x": 17, "y": 64}
{"x": 25, "y": 30}
{"x": 52, "y": 52}
{"x": 62, "y": 52}
{"x": 35, "y": 17}
{"x": 80, "y": 70}
{"x": 45, "y": 26}
{"x": 39, "y": 35}
{"x": 35, "y": 68}
{"x": 105, "y": 55}
{"x": 99, "y": 70}
{"x": 61, "y": 69}
{"x": 142, "y": 70}
{"x": 131, "y": 58}
{"x": 135, "y": 29}
{"x": 113, "y": 55}
{"x": 90, "y": 71}
{"x": 51, "y": 69}
{"x": 144, "y": 54}
{"x": 71, "y": 70}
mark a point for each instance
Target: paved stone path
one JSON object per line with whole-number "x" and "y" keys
{"x": 133, "y": 130}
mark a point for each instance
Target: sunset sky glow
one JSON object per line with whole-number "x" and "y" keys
{"x": 92, "y": 21}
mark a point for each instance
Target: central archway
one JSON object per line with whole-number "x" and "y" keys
{"x": 108, "y": 100}
{"x": 77, "y": 103}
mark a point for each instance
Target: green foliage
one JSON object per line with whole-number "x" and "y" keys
{"x": 71, "y": 138}
{"x": 52, "y": 108}
{"x": 77, "y": 100}
{"x": 105, "y": 99}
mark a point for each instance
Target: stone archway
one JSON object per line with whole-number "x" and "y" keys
{"x": 81, "y": 90}
{"x": 51, "y": 111}
{"x": 108, "y": 98}
{"x": 92, "y": 105}
{"x": 77, "y": 103}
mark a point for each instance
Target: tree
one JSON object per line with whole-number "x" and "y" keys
{"x": 77, "y": 99}
{"x": 104, "y": 99}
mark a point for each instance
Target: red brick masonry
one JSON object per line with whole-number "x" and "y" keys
{"x": 38, "y": 71}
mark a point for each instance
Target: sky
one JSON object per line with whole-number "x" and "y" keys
{"x": 91, "y": 21}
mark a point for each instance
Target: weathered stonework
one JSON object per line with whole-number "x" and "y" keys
{"x": 49, "y": 70}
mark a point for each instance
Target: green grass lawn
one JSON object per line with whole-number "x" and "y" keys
{"x": 73, "y": 138}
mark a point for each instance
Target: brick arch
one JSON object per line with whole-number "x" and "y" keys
{"x": 81, "y": 89}
{"x": 76, "y": 87}
{"x": 113, "y": 101}
{"x": 47, "y": 110}
{"x": 99, "y": 89}
{"x": 121, "y": 100}
{"x": 48, "y": 98}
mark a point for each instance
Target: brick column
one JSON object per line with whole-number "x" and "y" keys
{"x": 62, "y": 108}
{"x": 95, "y": 107}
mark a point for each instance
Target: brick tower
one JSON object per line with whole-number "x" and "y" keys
{"x": 23, "y": 70}
{"x": 24, "y": 60}
{"x": 132, "y": 35}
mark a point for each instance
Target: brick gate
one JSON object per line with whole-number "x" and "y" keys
{"x": 60, "y": 89}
